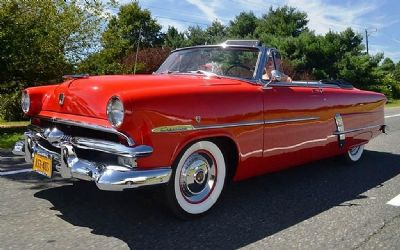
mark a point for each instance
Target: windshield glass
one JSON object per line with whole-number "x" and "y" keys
{"x": 228, "y": 61}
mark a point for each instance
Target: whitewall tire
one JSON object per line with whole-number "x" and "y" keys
{"x": 354, "y": 154}
{"x": 198, "y": 180}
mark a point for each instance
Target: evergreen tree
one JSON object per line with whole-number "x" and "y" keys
{"x": 243, "y": 26}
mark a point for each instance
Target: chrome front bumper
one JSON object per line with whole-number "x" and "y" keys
{"x": 111, "y": 177}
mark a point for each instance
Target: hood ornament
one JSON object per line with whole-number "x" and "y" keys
{"x": 61, "y": 98}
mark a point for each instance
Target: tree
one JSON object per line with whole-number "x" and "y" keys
{"x": 361, "y": 70}
{"x": 173, "y": 38}
{"x": 216, "y": 33}
{"x": 333, "y": 47}
{"x": 243, "y": 26}
{"x": 388, "y": 66}
{"x": 195, "y": 36}
{"x": 397, "y": 72}
{"x": 42, "y": 40}
{"x": 120, "y": 39}
{"x": 282, "y": 22}
{"x": 349, "y": 41}
{"x": 123, "y": 31}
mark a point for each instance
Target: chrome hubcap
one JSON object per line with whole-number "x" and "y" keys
{"x": 198, "y": 177}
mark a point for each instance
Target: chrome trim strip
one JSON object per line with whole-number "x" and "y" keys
{"x": 172, "y": 129}
{"x": 362, "y": 112}
{"x": 183, "y": 128}
{"x": 111, "y": 147}
{"x": 188, "y": 127}
{"x": 118, "y": 179}
{"x": 299, "y": 119}
{"x": 303, "y": 84}
{"x": 312, "y": 84}
{"x": 229, "y": 125}
{"x": 356, "y": 130}
{"x": 94, "y": 127}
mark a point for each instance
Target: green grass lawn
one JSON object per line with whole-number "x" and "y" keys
{"x": 7, "y": 140}
{"x": 4, "y": 124}
{"x": 11, "y": 132}
{"x": 393, "y": 103}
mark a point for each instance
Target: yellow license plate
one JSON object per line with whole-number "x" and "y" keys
{"x": 42, "y": 165}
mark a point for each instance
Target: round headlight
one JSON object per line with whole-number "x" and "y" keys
{"x": 25, "y": 102}
{"x": 115, "y": 111}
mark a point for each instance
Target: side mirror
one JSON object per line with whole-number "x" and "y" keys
{"x": 276, "y": 75}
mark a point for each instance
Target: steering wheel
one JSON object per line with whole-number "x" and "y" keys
{"x": 237, "y": 66}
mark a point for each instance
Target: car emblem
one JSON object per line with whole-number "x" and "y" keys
{"x": 198, "y": 119}
{"x": 61, "y": 99}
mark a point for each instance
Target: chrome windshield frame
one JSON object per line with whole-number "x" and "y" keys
{"x": 259, "y": 66}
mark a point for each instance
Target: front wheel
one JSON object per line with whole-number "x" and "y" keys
{"x": 197, "y": 181}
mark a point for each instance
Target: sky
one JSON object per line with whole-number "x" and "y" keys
{"x": 380, "y": 17}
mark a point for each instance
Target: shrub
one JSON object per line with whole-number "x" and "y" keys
{"x": 396, "y": 91}
{"x": 384, "y": 89}
{"x": 394, "y": 86}
{"x": 149, "y": 59}
{"x": 10, "y": 107}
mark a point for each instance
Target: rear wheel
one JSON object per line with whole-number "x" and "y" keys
{"x": 354, "y": 154}
{"x": 197, "y": 181}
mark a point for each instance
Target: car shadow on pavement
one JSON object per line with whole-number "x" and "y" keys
{"x": 249, "y": 211}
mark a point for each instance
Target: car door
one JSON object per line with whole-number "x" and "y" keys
{"x": 295, "y": 126}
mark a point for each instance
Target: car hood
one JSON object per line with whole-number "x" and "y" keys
{"x": 89, "y": 96}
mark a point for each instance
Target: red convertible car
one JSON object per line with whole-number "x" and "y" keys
{"x": 208, "y": 115}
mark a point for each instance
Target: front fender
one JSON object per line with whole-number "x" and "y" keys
{"x": 183, "y": 108}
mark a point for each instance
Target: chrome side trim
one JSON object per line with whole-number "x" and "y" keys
{"x": 94, "y": 127}
{"x": 229, "y": 125}
{"x": 299, "y": 119}
{"x": 356, "y": 130}
{"x": 183, "y": 128}
{"x": 303, "y": 84}
{"x": 172, "y": 129}
{"x": 188, "y": 127}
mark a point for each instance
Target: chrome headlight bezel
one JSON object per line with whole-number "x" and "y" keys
{"x": 115, "y": 111}
{"x": 25, "y": 102}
